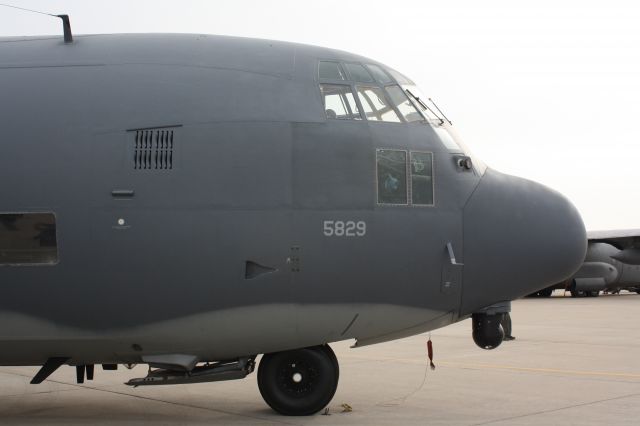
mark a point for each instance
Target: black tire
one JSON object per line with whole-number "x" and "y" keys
{"x": 334, "y": 359}
{"x": 300, "y": 382}
{"x": 574, "y": 292}
{"x": 594, "y": 293}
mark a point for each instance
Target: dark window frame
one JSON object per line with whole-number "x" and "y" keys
{"x": 340, "y": 69}
{"x": 347, "y": 104}
{"x": 364, "y": 67}
{"x": 417, "y": 110}
{"x": 57, "y": 239}
{"x": 386, "y": 99}
{"x": 408, "y": 177}
{"x": 374, "y": 83}
{"x": 389, "y": 79}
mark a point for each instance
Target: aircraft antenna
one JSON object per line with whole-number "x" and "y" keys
{"x": 66, "y": 24}
{"x": 445, "y": 117}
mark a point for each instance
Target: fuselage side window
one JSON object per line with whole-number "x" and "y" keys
{"x": 421, "y": 178}
{"x": 403, "y": 104}
{"x": 28, "y": 238}
{"x": 375, "y": 105}
{"x": 391, "y": 168}
{"x": 379, "y": 74}
{"x": 404, "y": 178}
{"x": 330, "y": 70}
{"x": 339, "y": 102}
{"x": 358, "y": 73}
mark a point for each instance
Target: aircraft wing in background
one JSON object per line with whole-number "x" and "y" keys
{"x": 625, "y": 240}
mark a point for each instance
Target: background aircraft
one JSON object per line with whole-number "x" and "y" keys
{"x": 193, "y": 201}
{"x": 612, "y": 263}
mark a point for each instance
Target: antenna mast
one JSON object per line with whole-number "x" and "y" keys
{"x": 66, "y": 28}
{"x": 66, "y": 24}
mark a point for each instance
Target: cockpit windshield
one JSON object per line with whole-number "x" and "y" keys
{"x": 403, "y": 104}
{"x": 441, "y": 125}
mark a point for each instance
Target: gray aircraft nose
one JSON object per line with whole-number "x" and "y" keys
{"x": 519, "y": 237}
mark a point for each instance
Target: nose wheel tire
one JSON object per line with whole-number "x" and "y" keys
{"x": 300, "y": 382}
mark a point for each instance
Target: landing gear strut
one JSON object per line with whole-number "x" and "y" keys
{"x": 299, "y": 382}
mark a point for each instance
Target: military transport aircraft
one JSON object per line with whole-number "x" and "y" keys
{"x": 191, "y": 202}
{"x": 612, "y": 263}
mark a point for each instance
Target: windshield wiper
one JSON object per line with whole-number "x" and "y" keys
{"x": 425, "y": 106}
{"x": 445, "y": 117}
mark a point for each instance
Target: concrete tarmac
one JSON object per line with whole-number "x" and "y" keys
{"x": 574, "y": 362}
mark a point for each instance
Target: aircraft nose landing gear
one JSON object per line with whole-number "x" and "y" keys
{"x": 299, "y": 382}
{"x": 487, "y": 331}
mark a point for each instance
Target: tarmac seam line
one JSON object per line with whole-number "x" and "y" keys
{"x": 584, "y": 404}
{"x": 481, "y": 366}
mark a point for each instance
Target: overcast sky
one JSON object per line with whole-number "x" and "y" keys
{"x": 547, "y": 90}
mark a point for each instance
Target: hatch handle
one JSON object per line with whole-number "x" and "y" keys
{"x": 452, "y": 256}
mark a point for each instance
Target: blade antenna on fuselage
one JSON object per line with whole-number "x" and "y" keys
{"x": 66, "y": 24}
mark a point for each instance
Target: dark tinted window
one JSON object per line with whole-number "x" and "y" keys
{"x": 330, "y": 70}
{"x": 392, "y": 176}
{"x": 421, "y": 178}
{"x": 28, "y": 238}
{"x": 358, "y": 73}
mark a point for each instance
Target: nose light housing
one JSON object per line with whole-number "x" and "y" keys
{"x": 464, "y": 162}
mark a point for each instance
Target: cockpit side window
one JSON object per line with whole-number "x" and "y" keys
{"x": 421, "y": 167}
{"x": 403, "y": 104}
{"x": 379, "y": 74}
{"x": 339, "y": 102}
{"x": 330, "y": 71}
{"x": 404, "y": 178}
{"x": 375, "y": 105}
{"x": 358, "y": 73}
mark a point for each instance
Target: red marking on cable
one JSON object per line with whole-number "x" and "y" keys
{"x": 430, "y": 353}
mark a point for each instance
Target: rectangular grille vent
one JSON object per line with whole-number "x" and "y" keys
{"x": 153, "y": 150}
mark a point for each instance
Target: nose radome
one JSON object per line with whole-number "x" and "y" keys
{"x": 519, "y": 237}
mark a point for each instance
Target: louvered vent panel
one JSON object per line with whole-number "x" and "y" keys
{"x": 153, "y": 150}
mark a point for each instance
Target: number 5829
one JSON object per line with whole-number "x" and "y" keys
{"x": 349, "y": 228}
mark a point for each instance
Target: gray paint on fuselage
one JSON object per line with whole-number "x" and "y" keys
{"x": 245, "y": 330}
{"x": 258, "y": 169}
{"x": 236, "y": 191}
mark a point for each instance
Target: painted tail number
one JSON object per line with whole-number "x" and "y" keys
{"x": 339, "y": 228}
